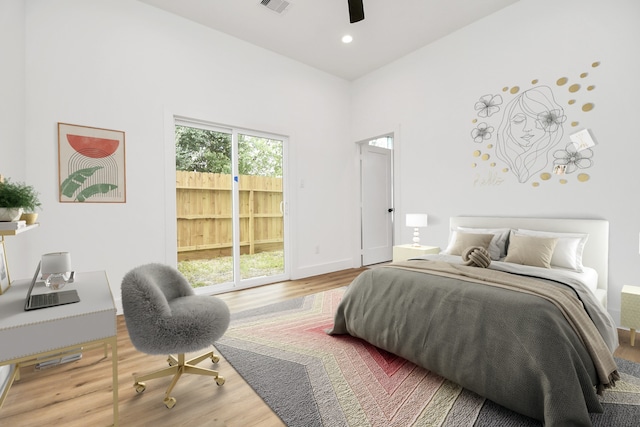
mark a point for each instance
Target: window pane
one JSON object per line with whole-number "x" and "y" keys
{"x": 261, "y": 216}
{"x": 382, "y": 142}
{"x": 204, "y": 205}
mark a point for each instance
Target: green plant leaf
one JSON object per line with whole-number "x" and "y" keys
{"x": 76, "y": 179}
{"x": 93, "y": 190}
{"x": 18, "y": 195}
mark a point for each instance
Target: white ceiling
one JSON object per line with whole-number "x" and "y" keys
{"x": 310, "y": 31}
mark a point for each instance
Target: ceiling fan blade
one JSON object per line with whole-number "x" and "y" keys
{"x": 356, "y": 10}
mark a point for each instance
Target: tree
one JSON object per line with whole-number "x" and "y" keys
{"x": 200, "y": 150}
{"x": 259, "y": 156}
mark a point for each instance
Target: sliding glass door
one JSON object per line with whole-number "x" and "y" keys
{"x": 230, "y": 206}
{"x": 261, "y": 206}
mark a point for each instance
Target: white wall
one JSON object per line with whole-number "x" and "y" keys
{"x": 124, "y": 65}
{"x": 12, "y": 87}
{"x": 430, "y": 95}
{"x": 12, "y": 115}
{"x": 13, "y": 152}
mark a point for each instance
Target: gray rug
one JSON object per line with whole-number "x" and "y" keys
{"x": 311, "y": 379}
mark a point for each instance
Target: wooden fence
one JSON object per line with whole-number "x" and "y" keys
{"x": 204, "y": 213}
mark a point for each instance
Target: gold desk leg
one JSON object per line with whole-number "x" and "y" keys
{"x": 15, "y": 375}
{"x": 633, "y": 336}
{"x": 114, "y": 375}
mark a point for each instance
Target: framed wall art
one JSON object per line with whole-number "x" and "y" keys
{"x": 91, "y": 164}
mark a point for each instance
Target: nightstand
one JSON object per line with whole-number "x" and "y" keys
{"x": 630, "y": 310}
{"x": 405, "y": 252}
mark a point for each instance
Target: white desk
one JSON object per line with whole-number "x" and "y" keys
{"x": 29, "y": 337}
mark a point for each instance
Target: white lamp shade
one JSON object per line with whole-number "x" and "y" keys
{"x": 417, "y": 220}
{"x": 56, "y": 262}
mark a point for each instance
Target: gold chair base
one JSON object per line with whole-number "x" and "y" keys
{"x": 177, "y": 367}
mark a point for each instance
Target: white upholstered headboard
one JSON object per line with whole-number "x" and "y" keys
{"x": 596, "y": 250}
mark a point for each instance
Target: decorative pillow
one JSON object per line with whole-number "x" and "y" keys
{"x": 464, "y": 240}
{"x": 568, "y": 251}
{"x": 498, "y": 246}
{"x": 531, "y": 250}
{"x": 476, "y": 256}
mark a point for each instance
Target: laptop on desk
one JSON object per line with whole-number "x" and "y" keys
{"x": 52, "y": 299}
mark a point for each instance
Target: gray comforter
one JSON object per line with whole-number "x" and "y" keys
{"x": 512, "y": 347}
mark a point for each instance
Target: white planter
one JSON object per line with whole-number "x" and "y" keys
{"x": 10, "y": 214}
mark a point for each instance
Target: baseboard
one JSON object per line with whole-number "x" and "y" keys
{"x": 318, "y": 269}
{"x": 616, "y": 315}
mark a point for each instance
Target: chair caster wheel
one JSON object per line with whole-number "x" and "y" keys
{"x": 170, "y": 362}
{"x": 140, "y": 387}
{"x": 169, "y": 402}
{"x": 215, "y": 358}
{"x": 220, "y": 380}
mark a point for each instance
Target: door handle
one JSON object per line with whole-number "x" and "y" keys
{"x": 390, "y": 210}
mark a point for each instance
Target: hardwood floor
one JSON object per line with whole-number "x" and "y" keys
{"x": 625, "y": 351}
{"x": 79, "y": 394}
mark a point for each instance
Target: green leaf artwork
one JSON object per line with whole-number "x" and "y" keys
{"x": 75, "y": 180}
{"x": 93, "y": 190}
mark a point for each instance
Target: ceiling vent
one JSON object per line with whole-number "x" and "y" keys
{"x": 277, "y": 6}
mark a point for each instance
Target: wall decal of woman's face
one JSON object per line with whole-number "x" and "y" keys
{"x": 525, "y": 128}
{"x": 531, "y": 126}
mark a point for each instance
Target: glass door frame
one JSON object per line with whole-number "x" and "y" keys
{"x": 238, "y": 282}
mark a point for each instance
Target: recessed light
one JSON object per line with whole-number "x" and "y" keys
{"x": 347, "y": 39}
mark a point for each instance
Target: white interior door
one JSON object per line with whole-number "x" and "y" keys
{"x": 376, "y": 204}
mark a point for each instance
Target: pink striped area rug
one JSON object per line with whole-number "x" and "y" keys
{"x": 310, "y": 378}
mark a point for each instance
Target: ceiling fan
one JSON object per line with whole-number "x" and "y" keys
{"x": 356, "y": 11}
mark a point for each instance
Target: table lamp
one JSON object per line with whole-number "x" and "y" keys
{"x": 416, "y": 221}
{"x": 56, "y": 269}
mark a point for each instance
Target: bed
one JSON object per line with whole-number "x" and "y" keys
{"x": 530, "y": 331}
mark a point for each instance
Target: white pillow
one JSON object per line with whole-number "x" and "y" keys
{"x": 497, "y": 247}
{"x": 568, "y": 250}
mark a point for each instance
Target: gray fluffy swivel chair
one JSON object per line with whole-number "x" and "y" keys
{"x": 164, "y": 316}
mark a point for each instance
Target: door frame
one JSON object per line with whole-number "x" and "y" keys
{"x": 171, "y": 232}
{"x": 392, "y": 187}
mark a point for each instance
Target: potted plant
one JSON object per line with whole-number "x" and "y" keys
{"x": 17, "y": 198}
